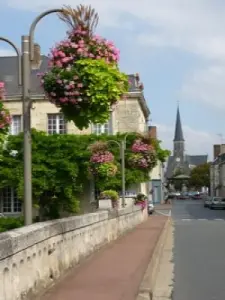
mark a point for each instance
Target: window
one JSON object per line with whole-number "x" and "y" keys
{"x": 101, "y": 128}
{"x": 15, "y": 127}
{"x": 10, "y": 202}
{"x": 56, "y": 124}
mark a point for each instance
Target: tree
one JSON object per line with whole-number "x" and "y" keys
{"x": 200, "y": 176}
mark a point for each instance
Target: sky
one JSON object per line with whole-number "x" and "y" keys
{"x": 177, "y": 47}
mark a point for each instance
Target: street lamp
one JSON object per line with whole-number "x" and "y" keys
{"x": 122, "y": 147}
{"x": 24, "y": 79}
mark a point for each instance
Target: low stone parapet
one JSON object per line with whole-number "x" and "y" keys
{"x": 32, "y": 257}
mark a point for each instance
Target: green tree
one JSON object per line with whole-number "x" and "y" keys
{"x": 200, "y": 176}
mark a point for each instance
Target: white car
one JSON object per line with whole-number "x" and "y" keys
{"x": 151, "y": 208}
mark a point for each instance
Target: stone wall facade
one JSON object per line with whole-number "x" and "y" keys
{"x": 33, "y": 257}
{"x": 128, "y": 115}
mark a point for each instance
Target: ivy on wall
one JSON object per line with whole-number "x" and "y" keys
{"x": 60, "y": 168}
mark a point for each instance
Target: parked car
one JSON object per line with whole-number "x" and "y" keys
{"x": 217, "y": 203}
{"x": 184, "y": 196}
{"x": 207, "y": 201}
{"x": 151, "y": 208}
{"x": 196, "y": 197}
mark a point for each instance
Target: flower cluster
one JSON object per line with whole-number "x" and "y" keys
{"x": 2, "y": 90}
{"x": 83, "y": 77}
{"x": 101, "y": 161}
{"x": 143, "y": 156}
{"x": 5, "y": 118}
{"x": 141, "y": 200}
{"x": 139, "y": 146}
{"x": 81, "y": 45}
{"x": 102, "y": 157}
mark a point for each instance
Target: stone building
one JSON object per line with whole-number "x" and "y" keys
{"x": 129, "y": 115}
{"x": 180, "y": 162}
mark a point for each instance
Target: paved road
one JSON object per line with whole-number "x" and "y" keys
{"x": 199, "y": 252}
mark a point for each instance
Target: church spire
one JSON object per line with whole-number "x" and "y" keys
{"x": 178, "y": 136}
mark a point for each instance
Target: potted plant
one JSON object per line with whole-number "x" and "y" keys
{"x": 141, "y": 200}
{"x": 112, "y": 195}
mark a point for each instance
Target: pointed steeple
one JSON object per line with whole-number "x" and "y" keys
{"x": 178, "y": 136}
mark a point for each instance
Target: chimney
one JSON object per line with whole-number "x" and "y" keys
{"x": 153, "y": 132}
{"x": 37, "y": 57}
{"x": 218, "y": 149}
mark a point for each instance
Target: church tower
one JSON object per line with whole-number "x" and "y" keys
{"x": 178, "y": 141}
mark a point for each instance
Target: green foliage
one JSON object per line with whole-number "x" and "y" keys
{"x": 200, "y": 176}
{"x": 9, "y": 223}
{"x": 162, "y": 154}
{"x": 54, "y": 171}
{"x": 102, "y": 85}
{"x": 113, "y": 195}
{"x": 141, "y": 197}
{"x": 60, "y": 169}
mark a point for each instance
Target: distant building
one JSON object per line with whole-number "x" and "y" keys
{"x": 181, "y": 163}
{"x": 217, "y": 172}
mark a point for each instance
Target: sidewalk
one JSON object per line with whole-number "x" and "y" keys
{"x": 116, "y": 271}
{"x": 163, "y": 206}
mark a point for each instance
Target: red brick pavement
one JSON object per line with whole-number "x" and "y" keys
{"x": 116, "y": 271}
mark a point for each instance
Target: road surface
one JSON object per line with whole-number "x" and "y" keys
{"x": 199, "y": 251}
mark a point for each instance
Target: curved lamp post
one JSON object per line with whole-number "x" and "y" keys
{"x": 24, "y": 69}
{"x": 122, "y": 147}
{"x": 18, "y": 58}
{"x": 27, "y": 57}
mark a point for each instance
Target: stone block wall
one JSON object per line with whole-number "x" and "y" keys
{"x": 32, "y": 257}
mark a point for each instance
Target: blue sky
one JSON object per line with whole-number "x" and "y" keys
{"x": 177, "y": 47}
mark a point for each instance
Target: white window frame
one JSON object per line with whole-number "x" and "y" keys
{"x": 9, "y": 195}
{"x": 56, "y": 118}
{"x": 16, "y": 125}
{"x": 99, "y": 129}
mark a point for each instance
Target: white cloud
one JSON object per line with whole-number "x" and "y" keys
{"x": 196, "y": 142}
{"x": 206, "y": 85}
{"x": 197, "y": 26}
{"x": 194, "y": 26}
{"x": 5, "y": 52}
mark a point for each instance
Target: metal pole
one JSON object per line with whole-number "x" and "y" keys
{"x": 26, "y": 131}
{"x": 122, "y": 149}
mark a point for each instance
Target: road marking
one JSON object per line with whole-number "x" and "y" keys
{"x": 218, "y": 219}
{"x": 163, "y": 214}
{"x": 186, "y": 219}
{"x": 202, "y": 219}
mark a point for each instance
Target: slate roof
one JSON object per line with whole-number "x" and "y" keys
{"x": 178, "y": 136}
{"x": 9, "y": 73}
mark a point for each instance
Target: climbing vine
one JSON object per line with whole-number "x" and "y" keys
{"x": 59, "y": 179}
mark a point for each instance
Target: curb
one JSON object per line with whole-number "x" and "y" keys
{"x": 148, "y": 282}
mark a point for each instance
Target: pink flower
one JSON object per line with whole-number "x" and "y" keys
{"x": 80, "y": 85}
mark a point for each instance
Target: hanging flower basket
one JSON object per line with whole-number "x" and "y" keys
{"x": 102, "y": 161}
{"x": 5, "y": 119}
{"x": 84, "y": 79}
{"x": 143, "y": 156}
